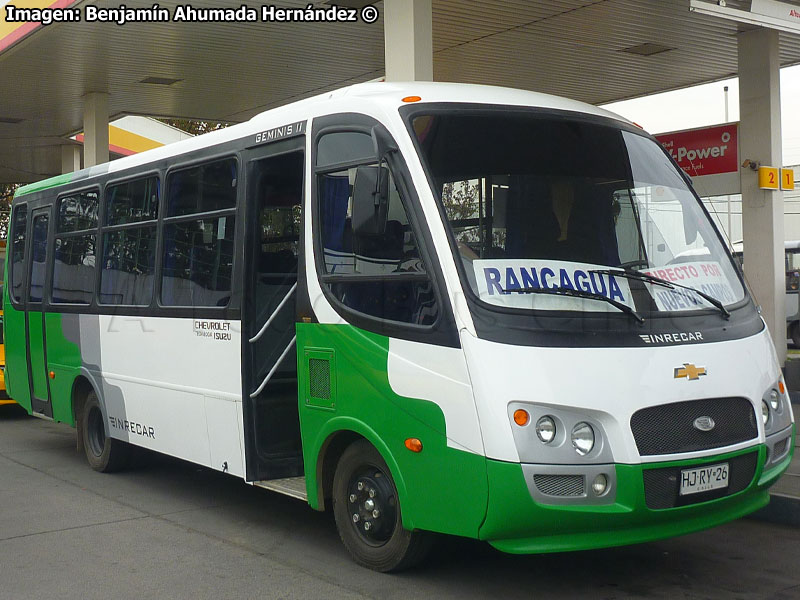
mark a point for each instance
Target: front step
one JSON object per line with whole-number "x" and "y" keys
{"x": 290, "y": 486}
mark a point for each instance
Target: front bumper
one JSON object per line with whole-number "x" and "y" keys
{"x": 516, "y": 523}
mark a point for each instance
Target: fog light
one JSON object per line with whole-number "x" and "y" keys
{"x": 600, "y": 485}
{"x": 774, "y": 399}
{"x": 764, "y": 412}
{"x": 546, "y": 429}
{"x": 583, "y": 438}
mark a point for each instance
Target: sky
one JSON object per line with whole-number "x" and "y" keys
{"x": 705, "y": 105}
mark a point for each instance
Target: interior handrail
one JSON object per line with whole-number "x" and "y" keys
{"x": 274, "y": 368}
{"x": 264, "y": 327}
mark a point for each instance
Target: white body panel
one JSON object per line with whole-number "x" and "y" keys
{"x": 169, "y": 387}
{"x": 610, "y": 384}
{"x": 440, "y": 375}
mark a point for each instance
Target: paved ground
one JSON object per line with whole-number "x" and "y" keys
{"x": 171, "y": 530}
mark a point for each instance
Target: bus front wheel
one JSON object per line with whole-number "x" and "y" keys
{"x": 105, "y": 454}
{"x": 367, "y": 513}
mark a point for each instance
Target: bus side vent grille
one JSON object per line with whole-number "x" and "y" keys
{"x": 319, "y": 378}
{"x": 560, "y": 485}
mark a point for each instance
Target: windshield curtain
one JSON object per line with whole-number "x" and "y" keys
{"x": 548, "y": 202}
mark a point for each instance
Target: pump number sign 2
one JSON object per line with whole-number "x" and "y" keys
{"x": 704, "y": 479}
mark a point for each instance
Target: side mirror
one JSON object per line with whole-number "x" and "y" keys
{"x": 370, "y": 200}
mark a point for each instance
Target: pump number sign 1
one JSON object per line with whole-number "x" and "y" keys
{"x": 787, "y": 179}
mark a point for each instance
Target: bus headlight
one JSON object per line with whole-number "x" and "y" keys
{"x": 546, "y": 429}
{"x": 583, "y": 438}
{"x": 774, "y": 399}
{"x": 764, "y": 412}
{"x": 600, "y": 485}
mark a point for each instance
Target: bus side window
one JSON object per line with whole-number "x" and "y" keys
{"x": 18, "y": 234}
{"x": 75, "y": 248}
{"x": 198, "y": 240}
{"x": 129, "y": 251}
{"x": 382, "y": 272}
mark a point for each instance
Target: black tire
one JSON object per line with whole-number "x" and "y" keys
{"x": 104, "y": 454}
{"x": 362, "y": 487}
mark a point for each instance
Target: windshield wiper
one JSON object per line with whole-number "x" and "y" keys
{"x": 563, "y": 291}
{"x": 647, "y": 278}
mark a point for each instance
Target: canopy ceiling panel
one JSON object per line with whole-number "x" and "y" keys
{"x": 597, "y": 51}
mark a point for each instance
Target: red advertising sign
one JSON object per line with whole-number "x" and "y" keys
{"x": 707, "y": 151}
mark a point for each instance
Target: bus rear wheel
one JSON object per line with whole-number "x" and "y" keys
{"x": 104, "y": 454}
{"x": 367, "y": 513}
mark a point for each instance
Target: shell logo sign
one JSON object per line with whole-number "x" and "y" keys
{"x": 706, "y": 151}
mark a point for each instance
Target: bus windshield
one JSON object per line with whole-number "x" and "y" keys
{"x": 548, "y": 203}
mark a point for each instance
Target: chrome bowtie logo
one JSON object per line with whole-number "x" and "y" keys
{"x": 689, "y": 371}
{"x": 704, "y": 423}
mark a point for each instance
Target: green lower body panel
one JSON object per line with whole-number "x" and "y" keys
{"x": 516, "y": 523}
{"x": 16, "y": 372}
{"x": 442, "y": 488}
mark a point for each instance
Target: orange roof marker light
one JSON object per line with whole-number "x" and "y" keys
{"x": 412, "y": 99}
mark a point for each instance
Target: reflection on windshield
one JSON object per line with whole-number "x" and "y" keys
{"x": 537, "y": 202}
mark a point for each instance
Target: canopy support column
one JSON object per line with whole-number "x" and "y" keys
{"x": 70, "y": 158}
{"x": 408, "y": 40}
{"x": 762, "y": 210}
{"x": 95, "y": 129}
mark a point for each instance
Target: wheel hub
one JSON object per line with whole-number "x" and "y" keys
{"x": 372, "y": 506}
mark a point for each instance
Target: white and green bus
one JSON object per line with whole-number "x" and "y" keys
{"x": 429, "y": 307}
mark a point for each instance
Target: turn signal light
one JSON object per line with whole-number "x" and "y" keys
{"x": 52, "y": 374}
{"x": 412, "y": 99}
{"x": 414, "y": 445}
{"x": 521, "y": 417}
{"x": 781, "y": 387}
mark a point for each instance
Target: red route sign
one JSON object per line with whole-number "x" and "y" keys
{"x": 706, "y": 151}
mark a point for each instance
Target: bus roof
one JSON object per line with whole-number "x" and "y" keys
{"x": 387, "y": 96}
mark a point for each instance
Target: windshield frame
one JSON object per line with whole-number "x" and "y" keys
{"x": 409, "y": 112}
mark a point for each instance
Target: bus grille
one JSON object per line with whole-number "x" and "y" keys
{"x": 560, "y": 485}
{"x": 661, "y": 486}
{"x": 780, "y": 449}
{"x": 669, "y": 428}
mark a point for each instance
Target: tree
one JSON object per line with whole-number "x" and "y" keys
{"x": 464, "y": 209}
{"x": 192, "y": 126}
{"x": 6, "y": 194}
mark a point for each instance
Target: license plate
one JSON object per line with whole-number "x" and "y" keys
{"x": 704, "y": 479}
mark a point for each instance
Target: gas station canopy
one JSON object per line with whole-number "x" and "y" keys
{"x": 596, "y": 51}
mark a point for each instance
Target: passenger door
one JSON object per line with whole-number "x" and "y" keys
{"x": 34, "y": 313}
{"x": 274, "y": 179}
